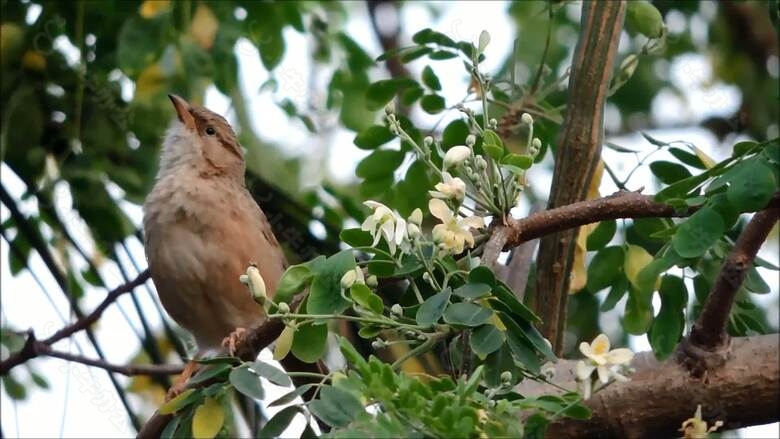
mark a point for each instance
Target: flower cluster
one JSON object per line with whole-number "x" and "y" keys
{"x": 604, "y": 361}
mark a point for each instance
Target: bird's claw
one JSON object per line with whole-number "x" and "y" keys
{"x": 231, "y": 340}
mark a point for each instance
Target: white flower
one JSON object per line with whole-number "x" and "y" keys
{"x": 456, "y": 155}
{"x": 453, "y": 233}
{"x": 604, "y": 361}
{"x": 450, "y": 188}
{"x": 384, "y": 223}
{"x": 527, "y": 119}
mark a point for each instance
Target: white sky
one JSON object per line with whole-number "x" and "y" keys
{"x": 81, "y": 401}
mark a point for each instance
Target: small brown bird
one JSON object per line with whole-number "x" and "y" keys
{"x": 202, "y": 229}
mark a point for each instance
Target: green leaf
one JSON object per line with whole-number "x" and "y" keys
{"x": 356, "y": 237}
{"x": 271, "y": 373}
{"x": 653, "y": 140}
{"x": 752, "y": 185}
{"x": 643, "y": 17}
{"x": 454, "y": 134}
{"x": 430, "y": 79}
{"x": 309, "y": 342}
{"x": 472, "y": 290}
{"x": 292, "y": 282}
{"x": 429, "y": 36}
{"x": 601, "y": 235}
{"x": 493, "y": 145}
{"x": 638, "y": 315}
{"x": 668, "y": 325}
{"x": 482, "y": 274}
{"x": 411, "y": 95}
{"x": 619, "y": 288}
{"x": 433, "y": 307}
{"x": 688, "y": 158}
{"x": 179, "y": 402}
{"x": 485, "y": 340}
{"x": 440, "y": 55}
{"x": 291, "y": 395}
{"x": 247, "y": 382}
{"x": 755, "y": 283}
{"x": 507, "y": 298}
{"x": 517, "y": 162}
{"x": 366, "y": 298}
{"x": 669, "y": 172}
{"x": 140, "y": 43}
{"x": 432, "y": 104}
{"x": 271, "y": 47}
{"x": 380, "y": 163}
{"x": 466, "y": 314}
{"x": 523, "y": 352}
{"x": 373, "y": 137}
{"x": 279, "y": 422}
{"x": 697, "y": 234}
{"x": 325, "y": 292}
{"x": 381, "y": 92}
{"x": 211, "y": 373}
{"x": 605, "y": 267}
{"x": 741, "y": 148}
{"x": 336, "y": 407}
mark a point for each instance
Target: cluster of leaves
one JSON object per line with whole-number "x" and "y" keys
{"x": 719, "y": 193}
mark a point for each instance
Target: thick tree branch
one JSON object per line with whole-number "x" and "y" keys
{"x": 579, "y": 149}
{"x": 32, "y": 347}
{"x": 709, "y": 331}
{"x": 659, "y": 396}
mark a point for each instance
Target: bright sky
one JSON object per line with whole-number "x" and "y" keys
{"x": 81, "y": 401}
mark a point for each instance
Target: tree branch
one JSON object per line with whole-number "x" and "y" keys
{"x": 659, "y": 396}
{"x": 579, "y": 149}
{"x": 31, "y": 348}
{"x": 248, "y": 346}
{"x": 709, "y": 331}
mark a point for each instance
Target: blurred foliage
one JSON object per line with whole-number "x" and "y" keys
{"x": 84, "y": 106}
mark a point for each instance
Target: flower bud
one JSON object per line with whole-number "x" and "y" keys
{"x": 493, "y": 123}
{"x": 506, "y": 377}
{"x": 456, "y": 155}
{"x": 283, "y": 308}
{"x": 389, "y": 108}
{"x": 471, "y": 140}
{"x": 348, "y": 279}
{"x": 413, "y": 230}
{"x": 397, "y": 309}
{"x": 527, "y": 119}
{"x": 428, "y": 141}
{"x": 378, "y": 344}
{"x": 536, "y": 143}
{"x": 416, "y": 217}
{"x": 481, "y": 163}
{"x": 484, "y": 40}
{"x": 372, "y": 281}
{"x": 256, "y": 284}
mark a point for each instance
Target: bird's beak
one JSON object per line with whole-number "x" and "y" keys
{"x": 183, "y": 111}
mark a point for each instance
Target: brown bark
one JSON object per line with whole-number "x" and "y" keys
{"x": 579, "y": 148}
{"x": 660, "y": 396}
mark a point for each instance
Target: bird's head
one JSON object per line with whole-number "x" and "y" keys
{"x": 201, "y": 139}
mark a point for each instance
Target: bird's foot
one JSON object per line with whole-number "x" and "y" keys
{"x": 231, "y": 340}
{"x": 180, "y": 384}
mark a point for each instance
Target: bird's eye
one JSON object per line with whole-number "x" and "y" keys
{"x": 211, "y": 131}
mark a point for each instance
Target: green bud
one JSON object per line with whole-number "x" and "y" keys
{"x": 643, "y": 17}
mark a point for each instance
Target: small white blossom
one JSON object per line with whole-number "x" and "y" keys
{"x": 456, "y": 155}
{"x": 450, "y": 188}
{"x": 454, "y": 233}
{"x": 603, "y": 360}
{"x": 527, "y": 119}
{"x": 384, "y": 223}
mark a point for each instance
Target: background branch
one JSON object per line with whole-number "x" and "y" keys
{"x": 709, "y": 331}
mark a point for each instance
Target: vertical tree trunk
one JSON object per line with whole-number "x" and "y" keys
{"x": 579, "y": 149}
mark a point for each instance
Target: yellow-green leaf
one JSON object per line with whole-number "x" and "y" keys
{"x": 284, "y": 343}
{"x": 208, "y": 419}
{"x": 176, "y": 403}
{"x": 635, "y": 260}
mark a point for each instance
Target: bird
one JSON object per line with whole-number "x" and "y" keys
{"x": 202, "y": 229}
